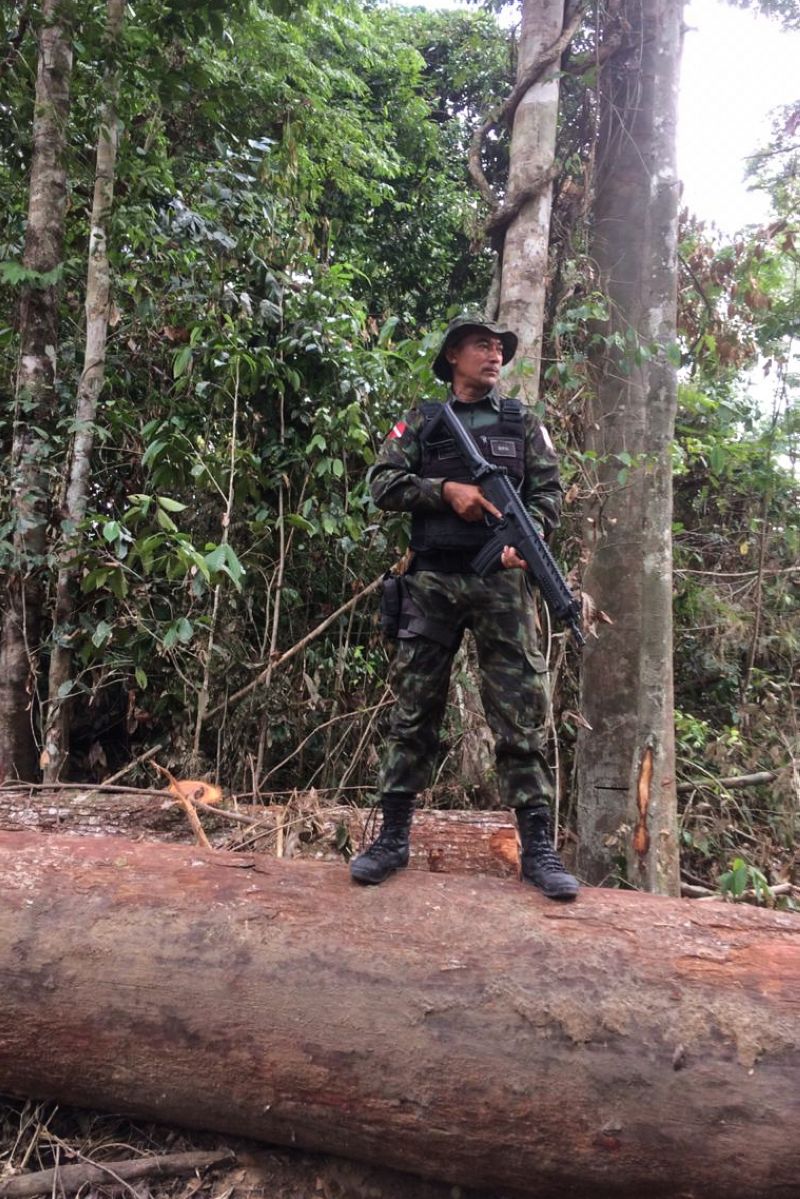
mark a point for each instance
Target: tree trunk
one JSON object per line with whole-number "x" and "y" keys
{"x": 479, "y": 1034}
{"x": 35, "y": 399}
{"x": 98, "y": 289}
{"x": 533, "y": 142}
{"x": 476, "y": 769}
{"x": 441, "y": 842}
{"x": 519, "y": 290}
{"x": 626, "y": 767}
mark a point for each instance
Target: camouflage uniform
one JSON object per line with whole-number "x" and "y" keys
{"x": 497, "y": 609}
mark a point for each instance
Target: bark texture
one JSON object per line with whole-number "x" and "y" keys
{"x": 623, "y": 1045}
{"x": 626, "y": 769}
{"x": 441, "y": 842}
{"x": 533, "y": 141}
{"x": 476, "y": 770}
{"x": 35, "y": 398}
{"x": 98, "y": 291}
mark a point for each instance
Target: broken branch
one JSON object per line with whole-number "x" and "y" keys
{"x": 733, "y": 783}
{"x": 301, "y": 645}
{"x": 69, "y": 1179}
{"x": 180, "y": 793}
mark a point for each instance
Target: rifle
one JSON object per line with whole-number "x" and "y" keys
{"x": 515, "y": 528}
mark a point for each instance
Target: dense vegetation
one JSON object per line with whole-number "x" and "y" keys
{"x": 292, "y": 225}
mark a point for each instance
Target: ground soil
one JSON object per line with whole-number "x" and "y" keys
{"x": 35, "y": 1136}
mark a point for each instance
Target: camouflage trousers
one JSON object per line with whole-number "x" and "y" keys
{"x": 513, "y": 684}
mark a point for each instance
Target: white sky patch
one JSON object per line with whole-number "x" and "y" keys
{"x": 738, "y": 66}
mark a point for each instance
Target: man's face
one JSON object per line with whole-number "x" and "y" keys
{"x": 476, "y": 360}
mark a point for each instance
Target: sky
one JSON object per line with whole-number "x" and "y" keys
{"x": 737, "y": 67}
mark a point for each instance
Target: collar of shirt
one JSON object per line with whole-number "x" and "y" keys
{"x": 492, "y": 396}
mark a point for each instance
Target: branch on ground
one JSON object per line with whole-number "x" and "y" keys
{"x": 69, "y": 1179}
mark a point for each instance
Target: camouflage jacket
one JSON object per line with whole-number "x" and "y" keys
{"x": 397, "y": 487}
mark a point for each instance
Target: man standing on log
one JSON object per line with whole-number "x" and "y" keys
{"x": 441, "y": 596}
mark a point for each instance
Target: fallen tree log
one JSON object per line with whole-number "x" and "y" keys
{"x": 88, "y": 812}
{"x": 468, "y": 1031}
{"x": 442, "y": 842}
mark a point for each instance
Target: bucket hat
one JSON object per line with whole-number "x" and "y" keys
{"x": 464, "y": 324}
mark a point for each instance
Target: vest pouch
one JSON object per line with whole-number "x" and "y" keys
{"x": 391, "y": 604}
{"x": 443, "y": 451}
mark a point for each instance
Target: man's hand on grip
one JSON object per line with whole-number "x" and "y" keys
{"x": 511, "y": 560}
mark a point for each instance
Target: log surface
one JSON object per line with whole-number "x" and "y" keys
{"x": 443, "y": 842}
{"x": 467, "y": 1030}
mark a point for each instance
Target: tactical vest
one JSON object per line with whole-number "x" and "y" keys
{"x": 501, "y": 443}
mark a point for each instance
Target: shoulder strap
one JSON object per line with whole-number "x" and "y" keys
{"x": 511, "y": 409}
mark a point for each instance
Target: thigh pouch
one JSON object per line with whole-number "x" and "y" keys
{"x": 402, "y": 620}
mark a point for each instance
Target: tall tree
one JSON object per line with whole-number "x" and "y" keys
{"x": 523, "y": 267}
{"x": 626, "y": 768}
{"x": 98, "y": 290}
{"x": 520, "y": 227}
{"x": 520, "y": 232}
{"x": 35, "y": 396}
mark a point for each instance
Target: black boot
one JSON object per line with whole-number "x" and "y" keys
{"x": 539, "y": 862}
{"x": 389, "y": 851}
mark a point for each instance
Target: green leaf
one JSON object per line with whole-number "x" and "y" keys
{"x": 170, "y": 505}
{"x": 215, "y": 560}
{"x": 150, "y": 454}
{"x": 181, "y": 361}
{"x": 150, "y": 543}
{"x": 195, "y": 558}
{"x": 94, "y": 579}
{"x": 235, "y": 568}
{"x": 387, "y": 330}
{"x": 300, "y": 522}
{"x": 101, "y": 634}
{"x": 673, "y": 353}
{"x": 118, "y": 583}
{"x": 342, "y": 836}
{"x": 50, "y": 278}
{"x": 141, "y": 677}
{"x": 717, "y": 457}
{"x": 111, "y": 530}
{"x": 14, "y": 272}
{"x": 165, "y": 521}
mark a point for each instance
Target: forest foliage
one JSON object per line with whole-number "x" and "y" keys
{"x": 292, "y": 226}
